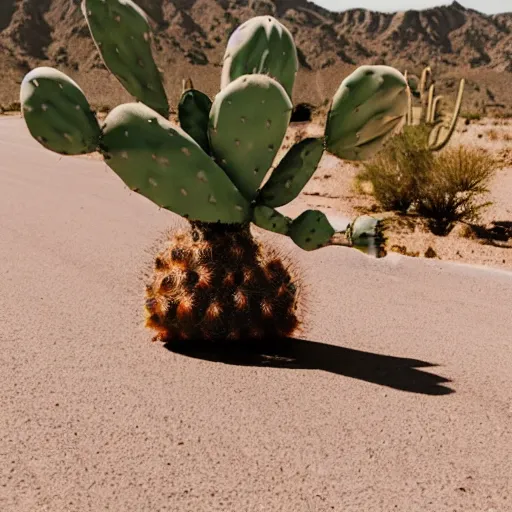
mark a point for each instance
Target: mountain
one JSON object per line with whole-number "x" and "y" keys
{"x": 190, "y": 37}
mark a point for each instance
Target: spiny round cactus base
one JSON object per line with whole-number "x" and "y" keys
{"x": 214, "y": 282}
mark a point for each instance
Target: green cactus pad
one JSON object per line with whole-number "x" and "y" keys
{"x": 248, "y": 122}
{"x": 57, "y": 113}
{"x": 163, "y": 163}
{"x": 293, "y": 172}
{"x": 311, "y": 230}
{"x": 194, "y": 113}
{"x": 366, "y": 110}
{"x": 121, "y": 32}
{"x": 264, "y": 46}
{"x": 271, "y": 220}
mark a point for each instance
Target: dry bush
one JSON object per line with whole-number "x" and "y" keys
{"x": 396, "y": 172}
{"x": 455, "y": 181}
{"x": 443, "y": 187}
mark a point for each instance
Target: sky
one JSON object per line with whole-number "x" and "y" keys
{"x": 485, "y": 6}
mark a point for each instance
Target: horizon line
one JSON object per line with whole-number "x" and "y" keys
{"x": 391, "y": 11}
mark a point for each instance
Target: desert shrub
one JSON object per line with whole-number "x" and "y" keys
{"x": 396, "y": 172}
{"x": 443, "y": 187}
{"x": 451, "y": 192}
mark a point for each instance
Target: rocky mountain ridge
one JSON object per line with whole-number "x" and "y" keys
{"x": 190, "y": 35}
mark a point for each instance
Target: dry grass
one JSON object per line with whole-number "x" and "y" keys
{"x": 444, "y": 188}
{"x": 395, "y": 173}
{"x": 457, "y": 180}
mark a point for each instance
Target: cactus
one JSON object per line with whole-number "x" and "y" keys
{"x": 216, "y": 281}
{"x": 248, "y": 122}
{"x": 441, "y": 128}
{"x": 365, "y": 111}
{"x": 292, "y": 173}
{"x": 311, "y": 230}
{"x": 426, "y": 77}
{"x": 121, "y": 32}
{"x": 57, "y": 113}
{"x": 267, "y": 218}
{"x": 440, "y": 143}
{"x": 194, "y": 113}
{"x": 163, "y": 163}
{"x": 264, "y": 46}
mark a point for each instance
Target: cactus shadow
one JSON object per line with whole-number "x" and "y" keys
{"x": 399, "y": 373}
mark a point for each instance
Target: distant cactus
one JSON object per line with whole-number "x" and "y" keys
{"x": 215, "y": 281}
{"x": 442, "y": 127}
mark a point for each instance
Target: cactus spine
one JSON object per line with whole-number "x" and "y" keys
{"x": 210, "y": 168}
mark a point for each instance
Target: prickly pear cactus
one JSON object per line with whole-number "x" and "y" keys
{"x": 160, "y": 161}
{"x": 57, "y": 113}
{"x": 263, "y": 46}
{"x": 194, "y": 115}
{"x": 292, "y": 173}
{"x": 365, "y": 111}
{"x": 248, "y": 122}
{"x": 267, "y": 218}
{"x": 216, "y": 281}
{"x": 311, "y": 230}
{"x": 121, "y": 32}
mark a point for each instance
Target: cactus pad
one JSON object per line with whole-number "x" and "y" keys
{"x": 367, "y": 108}
{"x": 292, "y": 174}
{"x": 264, "y": 46}
{"x": 194, "y": 113}
{"x": 271, "y": 220}
{"x": 248, "y": 122}
{"x": 121, "y": 32}
{"x": 311, "y": 230}
{"x": 163, "y": 163}
{"x": 57, "y": 113}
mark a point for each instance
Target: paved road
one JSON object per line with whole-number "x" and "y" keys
{"x": 398, "y": 398}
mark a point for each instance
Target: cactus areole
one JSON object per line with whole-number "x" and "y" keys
{"x": 216, "y": 281}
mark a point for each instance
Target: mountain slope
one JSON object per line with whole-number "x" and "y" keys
{"x": 190, "y": 37}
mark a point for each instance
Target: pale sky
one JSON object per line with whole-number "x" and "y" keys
{"x": 485, "y": 6}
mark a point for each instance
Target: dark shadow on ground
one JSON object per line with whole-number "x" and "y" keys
{"x": 498, "y": 233}
{"x": 394, "y": 372}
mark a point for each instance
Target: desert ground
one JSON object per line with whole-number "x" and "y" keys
{"x": 396, "y": 395}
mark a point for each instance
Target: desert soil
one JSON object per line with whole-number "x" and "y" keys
{"x": 396, "y": 397}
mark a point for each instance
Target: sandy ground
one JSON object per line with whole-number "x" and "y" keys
{"x": 398, "y": 397}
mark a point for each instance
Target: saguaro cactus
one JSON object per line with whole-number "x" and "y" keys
{"x": 216, "y": 281}
{"x": 442, "y": 127}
